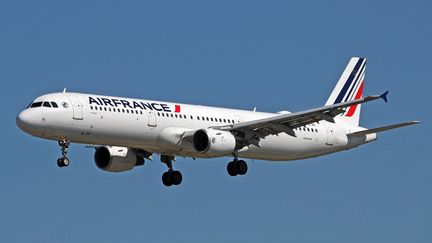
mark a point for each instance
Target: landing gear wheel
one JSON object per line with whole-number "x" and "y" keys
{"x": 176, "y": 177}
{"x": 62, "y": 162}
{"x": 237, "y": 167}
{"x": 241, "y": 167}
{"x": 65, "y": 161}
{"x": 171, "y": 177}
{"x": 167, "y": 179}
{"x": 59, "y": 162}
{"x": 231, "y": 168}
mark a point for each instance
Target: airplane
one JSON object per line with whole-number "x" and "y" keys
{"x": 126, "y": 131}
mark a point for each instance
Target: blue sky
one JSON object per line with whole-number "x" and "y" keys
{"x": 275, "y": 55}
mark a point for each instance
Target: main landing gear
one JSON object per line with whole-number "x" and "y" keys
{"x": 171, "y": 177}
{"x": 64, "y": 160}
{"x": 237, "y": 167}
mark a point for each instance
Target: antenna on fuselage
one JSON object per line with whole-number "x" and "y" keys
{"x": 64, "y": 90}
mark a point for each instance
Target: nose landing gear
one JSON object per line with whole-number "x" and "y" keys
{"x": 64, "y": 160}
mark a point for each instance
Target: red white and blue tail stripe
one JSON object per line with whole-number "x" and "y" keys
{"x": 350, "y": 87}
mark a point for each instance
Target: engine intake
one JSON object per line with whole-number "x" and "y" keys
{"x": 214, "y": 142}
{"x": 116, "y": 159}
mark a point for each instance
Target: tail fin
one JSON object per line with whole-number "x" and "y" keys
{"x": 350, "y": 87}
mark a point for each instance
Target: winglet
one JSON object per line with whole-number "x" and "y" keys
{"x": 384, "y": 96}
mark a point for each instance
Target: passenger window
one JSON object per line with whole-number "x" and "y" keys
{"x": 224, "y": 120}
{"x": 198, "y": 118}
{"x": 191, "y": 117}
{"x": 175, "y": 115}
{"x": 46, "y": 104}
{"x": 211, "y": 119}
{"x": 53, "y": 104}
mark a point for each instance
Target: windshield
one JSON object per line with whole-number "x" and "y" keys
{"x": 48, "y": 104}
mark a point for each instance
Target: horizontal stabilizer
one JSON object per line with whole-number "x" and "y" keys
{"x": 381, "y": 129}
{"x": 384, "y": 96}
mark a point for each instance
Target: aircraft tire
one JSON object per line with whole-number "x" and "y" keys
{"x": 176, "y": 177}
{"x": 65, "y": 161}
{"x": 231, "y": 168}
{"x": 167, "y": 179}
{"x": 59, "y": 162}
{"x": 241, "y": 167}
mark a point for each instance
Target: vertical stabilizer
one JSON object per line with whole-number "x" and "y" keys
{"x": 350, "y": 87}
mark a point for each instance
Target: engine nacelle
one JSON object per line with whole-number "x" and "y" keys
{"x": 214, "y": 142}
{"x": 116, "y": 159}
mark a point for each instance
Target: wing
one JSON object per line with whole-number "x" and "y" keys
{"x": 252, "y": 131}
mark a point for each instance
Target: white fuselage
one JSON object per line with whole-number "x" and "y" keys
{"x": 143, "y": 124}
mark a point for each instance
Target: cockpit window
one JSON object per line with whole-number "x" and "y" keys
{"x": 46, "y": 104}
{"x": 36, "y": 104}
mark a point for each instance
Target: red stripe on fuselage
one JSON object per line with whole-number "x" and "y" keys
{"x": 353, "y": 108}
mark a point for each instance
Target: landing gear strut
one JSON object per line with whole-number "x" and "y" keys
{"x": 237, "y": 167}
{"x": 64, "y": 160}
{"x": 171, "y": 177}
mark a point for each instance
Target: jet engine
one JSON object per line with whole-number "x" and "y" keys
{"x": 214, "y": 142}
{"x": 116, "y": 159}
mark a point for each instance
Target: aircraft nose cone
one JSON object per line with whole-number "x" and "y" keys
{"x": 24, "y": 121}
